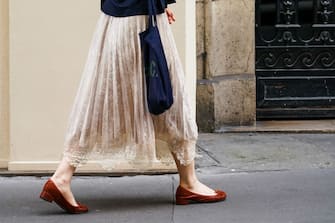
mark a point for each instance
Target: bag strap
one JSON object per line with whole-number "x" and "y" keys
{"x": 152, "y": 13}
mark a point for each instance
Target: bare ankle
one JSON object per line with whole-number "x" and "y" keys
{"x": 188, "y": 183}
{"x": 61, "y": 181}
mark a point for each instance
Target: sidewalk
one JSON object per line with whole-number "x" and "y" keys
{"x": 269, "y": 178}
{"x": 231, "y": 152}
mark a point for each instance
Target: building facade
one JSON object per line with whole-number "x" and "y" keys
{"x": 244, "y": 60}
{"x": 264, "y": 59}
{"x": 226, "y": 83}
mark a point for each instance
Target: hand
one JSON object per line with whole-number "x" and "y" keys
{"x": 170, "y": 15}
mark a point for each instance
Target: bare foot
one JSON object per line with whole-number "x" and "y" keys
{"x": 65, "y": 189}
{"x": 199, "y": 188}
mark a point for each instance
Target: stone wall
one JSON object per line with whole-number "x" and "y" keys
{"x": 226, "y": 91}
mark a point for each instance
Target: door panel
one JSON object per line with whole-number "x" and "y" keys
{"x": 295, "y": 58}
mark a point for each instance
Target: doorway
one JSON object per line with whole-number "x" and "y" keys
{"x": 295, "y": 59}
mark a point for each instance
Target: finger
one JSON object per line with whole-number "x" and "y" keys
{"x": 173, "y": 17}
{"x": 170, "y": 21}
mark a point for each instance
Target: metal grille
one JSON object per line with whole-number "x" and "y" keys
{"x": 295, "y": 58}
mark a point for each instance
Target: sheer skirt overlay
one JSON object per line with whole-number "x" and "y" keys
{"x": 109, "y": 120}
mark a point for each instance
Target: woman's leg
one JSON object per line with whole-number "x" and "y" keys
{"x": 189, "y": 180}
{"x": 62, "y": 178}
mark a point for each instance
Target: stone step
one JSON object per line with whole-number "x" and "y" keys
{"x": 303, "y": 126}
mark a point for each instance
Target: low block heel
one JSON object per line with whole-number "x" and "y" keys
{"x": 181, "y": 201}
{"x": 46, "y": 196}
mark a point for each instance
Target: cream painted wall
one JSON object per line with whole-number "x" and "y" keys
{"x": 48, "y": 49}
{"x": 4, "y": 91}
{"x": 185, "y": 34}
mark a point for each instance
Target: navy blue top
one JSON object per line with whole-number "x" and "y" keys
{"x": 122, "y": 8}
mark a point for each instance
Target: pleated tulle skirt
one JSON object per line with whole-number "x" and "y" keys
{"x": 109, "y": 121}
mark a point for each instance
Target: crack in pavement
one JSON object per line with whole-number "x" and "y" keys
{"x": 209, "y": 154}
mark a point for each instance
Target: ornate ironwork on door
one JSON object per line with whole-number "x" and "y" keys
{"x": 295, "y": 58}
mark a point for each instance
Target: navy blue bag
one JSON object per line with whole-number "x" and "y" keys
{"x": 159, "y": 90}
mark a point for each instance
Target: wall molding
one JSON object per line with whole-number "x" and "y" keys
{"x": 90, "y": 167}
